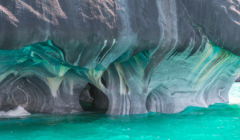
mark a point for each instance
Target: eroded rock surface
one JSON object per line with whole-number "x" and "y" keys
{"x": 143, "y": 55}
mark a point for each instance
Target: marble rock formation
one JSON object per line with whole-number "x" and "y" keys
{"x": 138, "y": 55}
{"x": 238, "y": 79}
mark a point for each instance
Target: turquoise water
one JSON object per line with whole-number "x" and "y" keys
{"x": 218, "y": 122}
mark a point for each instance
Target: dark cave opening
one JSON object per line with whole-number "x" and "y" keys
{"x": 93, "y": 99}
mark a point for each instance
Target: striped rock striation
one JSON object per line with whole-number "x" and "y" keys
{"x": 122, "y": 56}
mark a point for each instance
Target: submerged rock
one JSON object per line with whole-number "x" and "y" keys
{"x": 141, "y": 56}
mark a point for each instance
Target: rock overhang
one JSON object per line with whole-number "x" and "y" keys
{"x": 154, "y": 55}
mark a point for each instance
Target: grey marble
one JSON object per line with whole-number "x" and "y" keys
{"x": 141, "y": 55}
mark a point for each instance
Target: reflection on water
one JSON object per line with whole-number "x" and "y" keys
{"x": 218, "y": 122}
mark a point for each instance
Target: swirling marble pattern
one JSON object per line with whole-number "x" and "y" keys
{"x": 140, "y": 56}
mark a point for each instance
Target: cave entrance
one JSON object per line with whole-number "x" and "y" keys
{"x": 234, "y": 92}
{"x": 93, "y": 99}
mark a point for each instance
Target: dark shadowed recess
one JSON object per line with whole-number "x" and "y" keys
{"x": 93, "y": 99}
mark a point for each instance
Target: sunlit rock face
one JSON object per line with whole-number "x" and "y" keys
{"x": 138, "y": 55}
